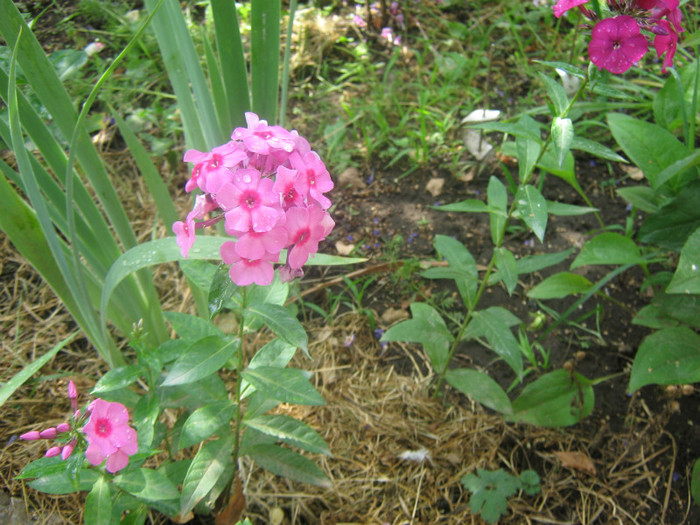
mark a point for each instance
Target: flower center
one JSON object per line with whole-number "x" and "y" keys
{"x": 263, "y": 134}
{"x": 103, "y": 428}
{"x": 616, "y": 44}
{"x": 302, "y": 236}
{"x": 250, "y": 201}
{"x": 214, "y": 162}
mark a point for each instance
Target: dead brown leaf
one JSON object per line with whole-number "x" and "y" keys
{"x": 577, "y": 461}
{"x": 231, "y": 513}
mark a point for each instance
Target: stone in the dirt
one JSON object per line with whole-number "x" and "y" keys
{"x": 12, "y": 510}
{"x": 394, "y": 315}
{"x": 350, "y": 178}
{"x": 434, "y": 186}
{"x": 344, "y": 249}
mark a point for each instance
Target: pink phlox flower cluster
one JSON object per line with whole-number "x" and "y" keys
{"x": 268, "y": 187}
{"x": 618, "y": 42}
{"x": 109, "y": 435}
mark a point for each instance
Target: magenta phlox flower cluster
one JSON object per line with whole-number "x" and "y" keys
{"x": 620, "y": 41}
{"x": 268, "y": 186}
{"x": 107, "y": 433}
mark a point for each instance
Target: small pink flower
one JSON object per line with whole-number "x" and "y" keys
{"x": 254, "y": 245}
{"x": 307, "y": 227}
{"x": 184, "y": 235}
{"x": 250, "y": 202}
{"x": 291, "y": 187}
{"x": 262, "y": 139}
{"x": 665, "y": 44}
{"x": 109, "y": 435}
{"x": 617, "y": 43}
{"x": 314, "y": 174}
{"x": 562, "y": 6}
{"x": 248, "y": 271}
{"x": 211, "y": 169}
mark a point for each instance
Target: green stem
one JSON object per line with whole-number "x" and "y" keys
{"x": 239, "y": 369}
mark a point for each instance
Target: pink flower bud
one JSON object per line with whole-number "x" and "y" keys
{"x": 63, "y": 427}
{"x": 76, "y": 414}
{"x": 31, "y": 436}
{"x": 68, "y": 450}
{"x": 49, "y": 433}
{"x": 72, "y": 391}
{"x": 53, "y": 451}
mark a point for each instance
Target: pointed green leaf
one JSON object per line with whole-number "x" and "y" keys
{"x": 98, "y": 504}
{"x": 507, "y": 268}
{"x": 480, "y": 387}
{"x": 608, "y": 248}
{"x": 556, "y": 93}
{"x": 467, "y": 206}
{"x": 191, "y": 328}
{"x": 560, "y": 285}
{"x": 203, "y": 358}
{"x": 118, "y": 378}
{"x": 567, "y": 210}
{"x": 667, "y": 357}
{"x": 562, "y": 137}
{"x": 205, "y": 421}
{"x": 498, "y": 206}
{"x": 532, "y": 208}
{"x": 278, "y": 319}
{"x": 594, "y": 148}
{"x": 502, "y": 341}
{"x": 291, "y": 431}
{"x": 686, "y": 280}
{"x": 556, "y": 399}
{"x": 222, "y": 288}
{"x": 671, "y": 226}
{"x": 210, "y": 463}
{"x": 147, "y": 484}
{"x": 287, "y": 385}
{"x": 288, "y": 464}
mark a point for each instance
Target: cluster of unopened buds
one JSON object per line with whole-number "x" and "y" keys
{"x": 268, "y": 186}
{"x": 104, "y": 426}
{"x": 619, "y": 41}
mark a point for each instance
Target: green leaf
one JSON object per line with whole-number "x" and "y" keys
{"x": 530, "y": 481}
{"x": 671, "y": 226}
{"x": 202, "y": 359}
{"x": 650, "y": 147}
{"x": 205, "y": 421}
{"x": 146, "y": 414}
{"x": 490, "y": 492}
{"x": 608, "y": 248}
{"x": 282, "y": 323}
{"x": 677, "y": 168}
{"x": 211, "y": 462}
{"x": 191, "y": 328}
{"x": 556, "y": 399}
{"x": 462, "y": 267}
{"x": 667, "y": 357}
{"x": 480, "y": 387}
{"x": 556, "y": 93}
{"x": 222, "y": 288}
{"x": 118, "y": 378}
{"x": 277, "y": 353}
{"x": 594, "y": 148}
{"x": 29, "y": 370}
{"x": 507, "y": 268}
{"x": 288, "y": 464}
{"x": 502, "y": 341}
{"x": 287, "y": 385}
{"x": 532, "y": 208}
{"x": 560, "y": 285}
{"x": 467, "y": 206}
{"x": 641, "y": 197}
{"x": 265, "y": 58}
{"x": 498, "y": 209}
{"x": 686, "y": 280}
{"x": 535, "y": 263}
{"x": 98, "y": 504}
{"x": 695, "y": 481}
{"x": 667, "y": 310}
{"x": 147, "y": 484}
{"x": 291, "y": 431}
{"x": 62, "y": 482}
{"x": 562, "y": 137}
{"x": 528, "y": 153}
{"x": 191, "y": 396}
{"x": 568, "y": 210}
{"x": 425, "y": 327}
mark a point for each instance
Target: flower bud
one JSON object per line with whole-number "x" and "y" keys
{"x": 72, "y": 390}
{"x": 53, "y": 451}
{"x": 49, "y": 433}
{"x": 63, "y": 427}
{"x": 68, "y": 450}
{"x": 31, "y": 436}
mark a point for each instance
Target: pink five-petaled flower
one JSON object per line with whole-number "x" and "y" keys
{"x": 306, "y": 227}
{"x": 248, "y": 271}
{"x": 562, "y": 6}
{"x": 262, "y": 139}
{"x": 250, "y": 202}
{"x": 211, "y": 169}
{"x": 109, "y": 435}
{"x": 291, "y": 187}
{"x": 617, "y": 43}
{"x": 314, "y": 174}
{"x": 184, "y": 235}
{"x": 666, "y": 43}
